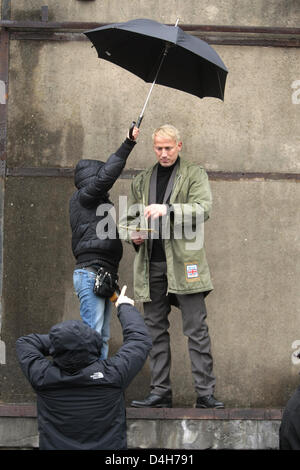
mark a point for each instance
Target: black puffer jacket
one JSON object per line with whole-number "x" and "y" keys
{"x": 80, "y": 399}
{"x": 95, "y": 238}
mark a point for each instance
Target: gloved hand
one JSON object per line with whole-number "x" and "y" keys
{"x": 123, "y": 299}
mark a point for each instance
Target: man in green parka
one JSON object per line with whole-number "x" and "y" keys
{"x": 166, "y": 210}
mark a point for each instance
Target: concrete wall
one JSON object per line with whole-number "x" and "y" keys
{"x": 65, "y": 104}
{"x": 22, "y": 433}
{"x": 196, "y": 429}
{"x": 238, "y": 12}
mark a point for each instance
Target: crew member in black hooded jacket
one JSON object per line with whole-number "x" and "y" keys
{"x": 289, "y": 431}
{"x": 95, "y": 238}
{"x": 80, "y": 398}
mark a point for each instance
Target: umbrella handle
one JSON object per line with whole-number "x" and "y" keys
{"x": 133, "y": 125}
{"x": 131, "y": 130}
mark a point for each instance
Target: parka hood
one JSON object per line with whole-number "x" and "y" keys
{"x": 85, "y": 172}
{"x": 74, "y": 345}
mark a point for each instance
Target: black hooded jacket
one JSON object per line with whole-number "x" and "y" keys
{"x": 95, "y": 238}
{"x": 80, "y": 398}
{"x": 289, "y": 431}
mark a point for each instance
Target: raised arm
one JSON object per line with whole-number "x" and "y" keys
{"x": 31, "y": 352}
{"x": 136, "y": 342}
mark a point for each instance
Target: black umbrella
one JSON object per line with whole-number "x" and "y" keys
{"x": 162, "y": 54}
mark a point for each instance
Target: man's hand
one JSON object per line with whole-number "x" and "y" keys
{"x": 134, "y": 134}
{"x": 138, "y": 237}
{"x": 122, "y": 299}
{"x": 155, "y": 210}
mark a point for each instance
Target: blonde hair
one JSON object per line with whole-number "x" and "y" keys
{"x": 167, "y": 131}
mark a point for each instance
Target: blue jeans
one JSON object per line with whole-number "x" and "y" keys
{"x": 95, "y": 311}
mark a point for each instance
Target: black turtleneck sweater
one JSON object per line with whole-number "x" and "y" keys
{"x": 163, "y": 176}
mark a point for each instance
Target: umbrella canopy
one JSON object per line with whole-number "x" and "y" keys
{"x": 162, "y": 54}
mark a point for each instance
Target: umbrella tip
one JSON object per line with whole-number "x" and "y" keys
{"x": 177, "y": 21}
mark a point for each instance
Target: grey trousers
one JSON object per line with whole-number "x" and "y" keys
{"x": 193, "y": 312}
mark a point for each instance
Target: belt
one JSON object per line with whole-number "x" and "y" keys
{"x": 89, "y": 268}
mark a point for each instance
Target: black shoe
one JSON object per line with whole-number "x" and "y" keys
{"x": 153, "y": 401}
{"x": 208, "y": 401}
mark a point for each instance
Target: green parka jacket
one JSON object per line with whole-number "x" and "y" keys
{"x": 190, "y": 204}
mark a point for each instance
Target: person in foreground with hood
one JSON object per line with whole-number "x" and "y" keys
{"x": 289, "y": 431}
{"x": 80, "y": 398}
{"x": 95, "y": 238}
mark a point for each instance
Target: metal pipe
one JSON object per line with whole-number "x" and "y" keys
{"x": 81, "y": 26}
{"x": 213, "y": 39}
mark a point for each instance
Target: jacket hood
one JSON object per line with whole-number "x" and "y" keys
{"x": 85, "y": 172}
{"x": 74, "y": 345}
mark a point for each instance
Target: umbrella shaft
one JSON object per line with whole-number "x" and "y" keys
{"x": 150, "y": 91}
{"x": 147, "y": 99}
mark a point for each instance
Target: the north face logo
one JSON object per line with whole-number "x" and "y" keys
{"x": 97, "y": 375}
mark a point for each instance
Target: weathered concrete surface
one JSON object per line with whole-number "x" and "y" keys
{"x": 21, "y": 433}
{"x": 194, "y": 429}
{"x": 2, "y": 344}
{"x": 18, "y": 433}
{"x": 64, "y": 104}
{"x": 261, "y": 12}
{"x": 69, "y": 111}
{"x": 38, "y": 266}
{"x": 189, "y": 434}
{"x": 252, "y": 245}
